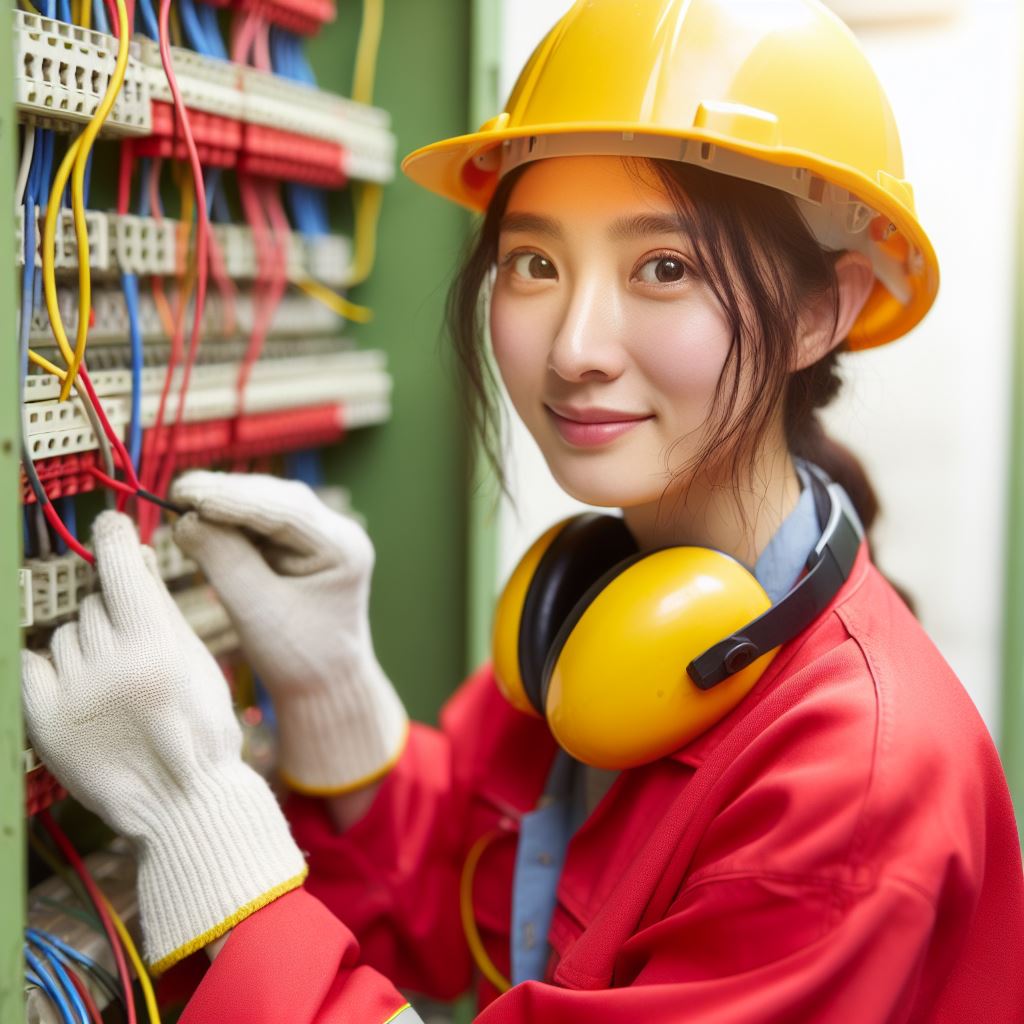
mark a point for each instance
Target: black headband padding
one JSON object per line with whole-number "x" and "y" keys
{"x": 580, "y": 554}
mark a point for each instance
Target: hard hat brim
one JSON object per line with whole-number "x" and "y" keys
{"x": 457, "y": 169}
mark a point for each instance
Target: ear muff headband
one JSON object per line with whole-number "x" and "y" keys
{"x": 828, "y": 567}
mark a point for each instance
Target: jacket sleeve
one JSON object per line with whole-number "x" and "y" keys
{"x": 294, "y": 961}
{"x": 393, "y": 877}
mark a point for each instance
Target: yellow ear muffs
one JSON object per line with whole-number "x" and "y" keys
{"x": 616, "y": 691}
{"x": 541, "y": 594}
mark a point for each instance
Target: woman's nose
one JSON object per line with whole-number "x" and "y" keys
{"x": 588, "y": 344}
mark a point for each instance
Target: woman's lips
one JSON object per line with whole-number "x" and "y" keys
{"x": 591, "y": 435}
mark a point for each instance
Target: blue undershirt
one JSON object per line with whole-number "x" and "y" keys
{"x": 544, "y": 833}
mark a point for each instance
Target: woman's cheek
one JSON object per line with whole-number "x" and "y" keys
{"x": 519, "y": 346}
{"x": 682, "y": 352}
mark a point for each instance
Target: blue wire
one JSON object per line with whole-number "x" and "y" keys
{"x": 66, "y": 983}
{"x": 70, "y": 953}
{"x": 192, "y": 27}
{"x": 143, "y": 191}
{"x": 148, "y": 18}
{"x": 44, "y": 147}
{"x": 211, "y": 29}
{"x": 213, "y": 175}
{"x": 64, "y": 10}
{"x": 100, "y": 20}
{"x": 88, "y": 179}
{"x": 130, "y": 287}
{"x": 45, "y": 986}
{"x": 50, "y": 988}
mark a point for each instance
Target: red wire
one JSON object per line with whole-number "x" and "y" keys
{"x": 71, "y": 856}
{"x": 124, "y": 177}
{"x": 83, "y": 991}
{"x": 202, "y": 237}
{"x": 65, "y": 534}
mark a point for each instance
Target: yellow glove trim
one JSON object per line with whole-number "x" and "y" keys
{"x": 194, "y": 945}
{"x": 349, "y": 787}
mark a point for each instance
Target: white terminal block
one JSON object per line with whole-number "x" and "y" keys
{"x": 207, "y": 84}
{"x": 66, "y": 241}
{"x": 61, "y": 73}
{"x": 56, "y": 428}
{"x": 170, "y": 560}
{"x": 328, "y": 258}
{"x": 364, "y": 131}
{"x": 145, "y": 245}
{"x": 56, "y": 585}
{"x": 27, "y": 616}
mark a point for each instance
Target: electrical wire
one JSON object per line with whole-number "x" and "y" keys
{"x": 203, "y": 227}
{"x": 86, "y": 997}
{"x": 62, "y": 979}
{"x": 74, "y": 165}
{"x": 367, "y": 50}
{"x": 97, "y": 971}
{"x": 98, "y": 902}
{"x": 476, "y": 945}
{"x": 43, "y": 981}
{"x": 28, "y": 148}
{"x": 141, "y": 973}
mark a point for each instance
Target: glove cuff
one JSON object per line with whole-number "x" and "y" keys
{"x": 209, "y": 857}
{"x": 342, "y": 737}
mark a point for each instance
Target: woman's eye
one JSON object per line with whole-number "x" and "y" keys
{"x": 662, "y": 270}
{"x": 533, "y": 265}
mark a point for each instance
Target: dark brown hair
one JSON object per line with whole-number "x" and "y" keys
{"x": 764, "y": 266}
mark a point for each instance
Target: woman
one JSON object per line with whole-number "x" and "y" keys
{"x": 690, "y": 209}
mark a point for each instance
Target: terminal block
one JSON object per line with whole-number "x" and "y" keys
{"x": 61, "y": 73}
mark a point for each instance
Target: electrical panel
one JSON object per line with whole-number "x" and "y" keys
{"x": 183, "y": 285}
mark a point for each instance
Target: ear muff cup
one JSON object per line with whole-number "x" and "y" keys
{"x": 615, "y": 688}
{"x": 582, "y": 553}
{"x": 541, "y": 593}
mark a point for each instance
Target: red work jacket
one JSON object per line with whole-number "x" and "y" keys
{"x": 841, "y": 848}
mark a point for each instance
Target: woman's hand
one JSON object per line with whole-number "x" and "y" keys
{"x": 295, "y": 579}
{"x": 133, "y": 716}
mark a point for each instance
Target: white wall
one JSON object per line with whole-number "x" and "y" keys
{"x": 929, "y": 415}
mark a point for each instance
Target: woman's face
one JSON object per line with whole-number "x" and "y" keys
{"x": 608, "y": 342}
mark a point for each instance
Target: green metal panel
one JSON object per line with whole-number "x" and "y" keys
{"x": 482, "y": 554}
{"x": 12, "y": 799}
{"x": 1012, "y": 730}
{"x": 409, "y": 477}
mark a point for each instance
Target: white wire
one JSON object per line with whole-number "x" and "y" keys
{"x": 27, "y": 149}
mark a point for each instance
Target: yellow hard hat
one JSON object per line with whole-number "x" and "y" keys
{"x": 774, "y": 91}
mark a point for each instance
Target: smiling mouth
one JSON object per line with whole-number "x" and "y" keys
{"x": 592, "y": 434}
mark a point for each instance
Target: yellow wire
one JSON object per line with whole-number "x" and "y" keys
{"x": 27, "y": 5}
{"x": 43, "y": 363}
{"x": 85, "y": 13}
{"x": 476, "y": 945}
{"x": 80, "y": 150}
{"x": 368, "y": 199}
{"x": 367, "y": 50}
{"x": 333, "y": 301}
{"x": 140, "y": 968}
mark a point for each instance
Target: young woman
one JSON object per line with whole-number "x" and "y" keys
{"x": 716, "y": 772}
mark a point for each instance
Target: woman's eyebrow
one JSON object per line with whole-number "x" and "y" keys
{"x": 531, "y": 223}
{"x": 647, "y": 224}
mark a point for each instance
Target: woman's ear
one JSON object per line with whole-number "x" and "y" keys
{"x": 818, "y": 335}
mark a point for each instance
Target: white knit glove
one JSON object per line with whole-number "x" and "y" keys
{"x": 135, "y": 719}
{"x": 295, "y": 579}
